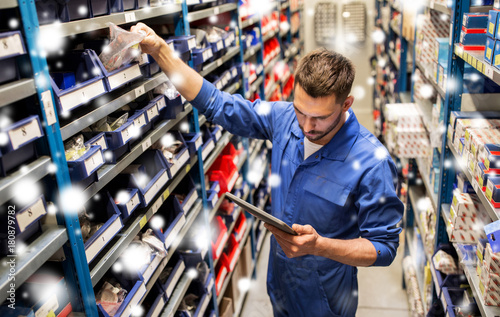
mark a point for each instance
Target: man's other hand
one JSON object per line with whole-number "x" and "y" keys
{"x": 294, "y": 246}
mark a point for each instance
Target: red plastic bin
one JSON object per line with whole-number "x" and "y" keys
{"x": 220, "y": 229}
{"x": 233, "y": 252}
{"x": 225, "y": 172}
{"x": 240, "y": 227}
{"x": 221, "y": 272}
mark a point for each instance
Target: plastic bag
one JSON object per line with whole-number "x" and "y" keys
{"x": 110, "y": 297}
{"x": 75, "y": 148}
{"x": 122, "y": 49}
{"x": 168, "y": 89}
{"x": 155, "y": 243}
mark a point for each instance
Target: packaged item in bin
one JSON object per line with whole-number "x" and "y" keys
{"x": 122, "y": 49}
{"x": 169, "y": 147}
{"x": 88, "y": 227}
{"x": 189, "y": 304}
{"x": 149, "y": 238}
{"x": 75, "y": 148}
{"x": 168, "y": 89}
{"x": 111, "y": 297}
{"x": 108, "y": 124}
{"x": 445, "y": 263}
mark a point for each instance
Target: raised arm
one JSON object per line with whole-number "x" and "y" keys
{"x": 187, "y": 81}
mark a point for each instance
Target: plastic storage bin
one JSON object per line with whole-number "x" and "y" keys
{"x": 219, "y": 236}
{"x": 72, "y": 85}
{"x": 155, "y": 301}
{"x": 119, "y": 141}
{"x": 208, "y": 143}
{"x": 148, "y": 174}
{"x": 126, "y": 200}
{"x": 177, "y": 267}
{"x": 191, "y": 253}
{"x": 225, "y": 172}
{"x": 193, "y": 141}
{"x": 183, "y": 45}
{"x": 171, "y": 107}
{"x": 187, "y": 189}
{"x": 140, "y": 122}
{"x": 221, "y": 272}
{"x": 181, "y": 158}
{"x": 173, "y": 218}
{"x": 200, "y": 56}
{"x": 232, "y": 252}
{"x": 136, "y": 290}
{"x": 49, "y": 11}
{"x": 12, "y": 46}
{"x": 103, "y": 211}
{"x": 240, "y": 227}
{"x": 117, "y": 77}
{"x": 100, "y": 7}
{"x": 453, "y": 297}
{"x": 26, "y": 225}
{"x": 20, "y": 146}
{"x": 83, "y": 171}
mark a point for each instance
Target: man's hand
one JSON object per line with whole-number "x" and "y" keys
{"x": 294, "y": 246}
{"x": 152, "y": 43}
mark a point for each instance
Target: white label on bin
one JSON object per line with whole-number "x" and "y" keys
{"x": 221, "y": 279}
{"x": 219, "y": 84}
{"x": 183, "y": 158}
{"x": 219, "y": 62}
{"x": 210, "y": 284}
{"x": 174, "y": 169}
{"x": 152, "y": 112}
{"x": 235, "y": 259}
{"x": 155, "y": 188}
{"x": 134, "y": 301}
{"x": 11, "y": 45}
{"x": 27, "y": 217}
{"x": 143, "y": 59}
{"x": 175, "y": 279}
{"x": 198, "y": 142}
{"x": 48, "y": 106}
{"x": 239, "y": 235}
{"x": 236, "y": 159}
{"x": 234, "y": 73}
{"x": 220, "y": 45}
{"x": 132, "y": 203}
{"x": 139, "y": 91}
{"x": 222, "y": 244}
{"x": 216, "y": 10}
{"x": 228, "y": 42}
{"x": 190, "y": 202}
{"x": 218, "y": 135}
{"x": 161, "y": 104}
{"x": 217, "y": 188}
{"x": 259, "y": 69}
{"x": 488, "y": 71}
{"x": 157, "y": 204}
{"x": 124, "y": 76}
{"x": 130, "y": 17}
{"x": 233, "y": 180}
{"x": 101, "y": 241}
{"x": 192, "y": 43}
{"x": 188, "y": 2}
{"x": 140, "y": 121}
{"x": 25, "y": 133}
{"x": 151, "y": 268}
{"x": 83, "y": 95}
{"x": 126, "y": 134}
{"x": 203, "y": 307}
{"x": 175, "y": 231}
{"x": 183, "y": 100}
{"x": 93, "y": 162}
{"x": 215, "y": 199}
{"x": 101, "y": 142}
{"x": 159, "y": 307}
{"x": 207, "y": 149}
{"x": 51, "y": 304}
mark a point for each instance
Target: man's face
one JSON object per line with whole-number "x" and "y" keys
{"x": 319, "y": 118}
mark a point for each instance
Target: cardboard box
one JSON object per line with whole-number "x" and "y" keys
{"x": 475, "y": 20}
{"x": 493, "y": 232}
{"x": 441, "y": 48}
{"x": 463, "y": 236}
{"x": 463, "y": 184}
{"x": 226, "y": 307}
{"x": 491, "y": 260}
{"x": 496, "y": 55}
{"x": 489, "y": 50}
{"x": 481, "y": 246}
{"x": 463, "y": 205}
{"x": 472, "y": 39}
{"x": 491, "y": 30}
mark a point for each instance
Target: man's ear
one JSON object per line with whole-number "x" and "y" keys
{"x": 347, "y": 103}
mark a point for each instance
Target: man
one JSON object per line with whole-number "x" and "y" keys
{"x": 337, "y": 181}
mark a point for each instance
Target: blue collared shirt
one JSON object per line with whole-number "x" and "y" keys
{"x": 345, "y": 190}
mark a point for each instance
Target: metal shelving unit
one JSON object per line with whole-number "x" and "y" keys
{"x": 251, "y": 51}
{"x": 102, "y": 22}
{"x": 269, "y": 35}
{"x": 15, "y": 91}
{"x": 37, "y": 253}
{"x": 476, "y": 60}
{"x": 430, "y": 78}
{"x": 271, "y": 64}
{"x": 33, "y": 171}
{"x": 206, "y": 13}
{"x": 493, "y": 212}
{"x": 53, "y": 238}
{"x": 254, "y": 87}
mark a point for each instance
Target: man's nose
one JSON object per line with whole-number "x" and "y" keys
{"x": 309, "y": 124}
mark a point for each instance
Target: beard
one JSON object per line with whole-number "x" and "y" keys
{"x": 321, "y": 134}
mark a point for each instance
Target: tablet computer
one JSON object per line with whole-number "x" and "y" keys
{"x": 261, "y": 214}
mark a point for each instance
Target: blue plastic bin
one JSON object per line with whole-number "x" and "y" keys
{"x": 129, "y": 203}
{"x": 193, "y": 141}
{"x": 186, "y": 187}
{"x": 177, "y": 266}
{"x": 182, "y": 156}
{"x": 83, "y": 171}
{"x": 105, "y": 211}
{"x": 21, "y": 146}
{"x": 88, "y": 79}
{"x": 174, "y": 219}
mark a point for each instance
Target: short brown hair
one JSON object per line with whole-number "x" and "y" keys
{"x": 322, "y": 73}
